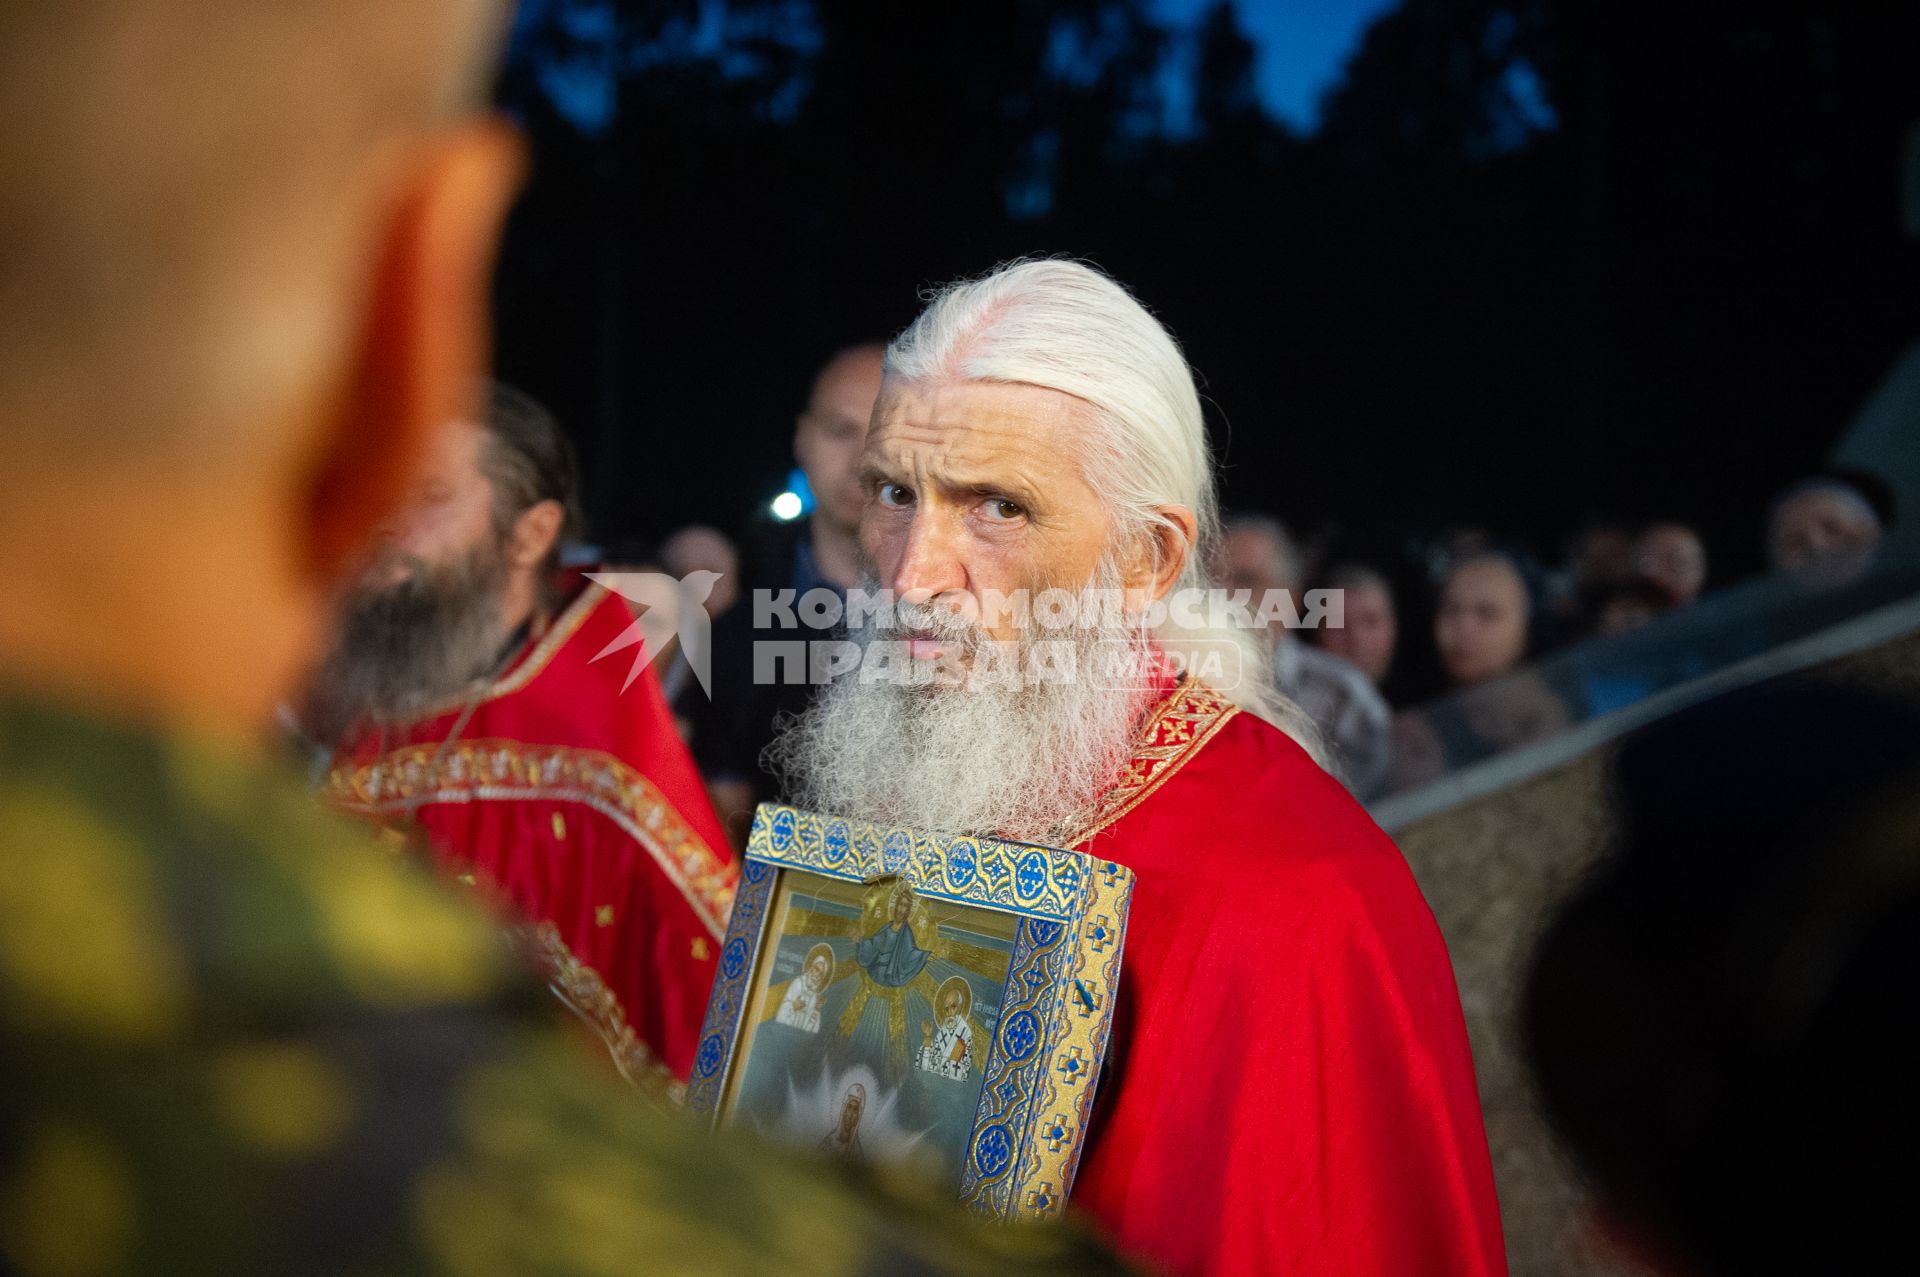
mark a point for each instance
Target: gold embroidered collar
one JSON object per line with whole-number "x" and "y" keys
{"x": 1186, "y": 720}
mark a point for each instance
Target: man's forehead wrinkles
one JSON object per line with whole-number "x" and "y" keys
{"x": 967, "y": 469}
{"x": 968, "y": 429}
{"x": 958, "y": 447}
{"x": 1001, "y": 439}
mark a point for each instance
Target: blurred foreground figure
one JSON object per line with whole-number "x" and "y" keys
{"x": 479, "y": 696}
{"x": 1723, "y": 1021}
{"x": 246, "y": 257}
{"x": 1290, "y": 1090}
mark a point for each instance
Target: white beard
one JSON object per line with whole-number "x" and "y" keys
{"x": 1021, "y": 759}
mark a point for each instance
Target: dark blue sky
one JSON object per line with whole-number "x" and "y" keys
{"x": 1304, "y": 45}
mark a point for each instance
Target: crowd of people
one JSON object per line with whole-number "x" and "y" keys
{"x": 1472, "y": 612}
{"x": 258, "y": 497}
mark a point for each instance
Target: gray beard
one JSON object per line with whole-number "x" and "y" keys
{"x": 404, "y": 650}
{"x": 1024, "y": 760}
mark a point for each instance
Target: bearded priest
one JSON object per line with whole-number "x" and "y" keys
{"x": 1290, "y": 1089}
{"x": 466, "y": 696}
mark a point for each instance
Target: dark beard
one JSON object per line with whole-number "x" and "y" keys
{"x": 402, "y": 650}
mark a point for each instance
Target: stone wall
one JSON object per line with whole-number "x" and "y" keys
{"x": 1493, "y": 869}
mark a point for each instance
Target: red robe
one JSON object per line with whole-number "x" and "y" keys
{"x": 1290, "y": 1089}
{"x": 577, "y": 803}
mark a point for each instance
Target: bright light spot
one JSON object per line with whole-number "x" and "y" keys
{"x": 786, "y": 507}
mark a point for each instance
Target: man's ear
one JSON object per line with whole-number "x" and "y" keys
{"x": 534, "y": 533}
{"x": 1161, "y": 556}
{"x": 423, "y": 341}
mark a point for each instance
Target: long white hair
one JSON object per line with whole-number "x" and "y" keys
{"x": 1065, "y": 326}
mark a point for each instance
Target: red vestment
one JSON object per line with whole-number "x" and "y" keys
{"x": 1290, "y": 1089}
{"x": 578, "y": 803}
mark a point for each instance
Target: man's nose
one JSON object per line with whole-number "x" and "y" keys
{"x": 381, "y": 542}
{"x": 391, "y": 530}
{"x": 930, "y": 561}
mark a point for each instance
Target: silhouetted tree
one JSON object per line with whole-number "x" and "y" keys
{"x": 1541, "y": 255}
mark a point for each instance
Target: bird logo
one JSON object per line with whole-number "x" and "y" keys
{"x": 665, "y": 608}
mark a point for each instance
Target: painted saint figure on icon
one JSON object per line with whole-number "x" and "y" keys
{"x": 843, "y": 1141}
{"x": 948, "y": 1050}
{"x": 806, "y": 992}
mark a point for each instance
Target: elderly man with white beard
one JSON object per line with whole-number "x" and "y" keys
{"x": 1290, "y": 1088}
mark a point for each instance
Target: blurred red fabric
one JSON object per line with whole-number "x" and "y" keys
{"x": 576, "y": 802}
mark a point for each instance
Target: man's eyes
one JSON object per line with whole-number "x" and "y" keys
{"x": 997, "y": 509}
{"x": 1000, "y": 510}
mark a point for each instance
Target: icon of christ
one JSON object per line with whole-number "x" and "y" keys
{"x": 894, "y": 961}
{"x": 891, "y": 956}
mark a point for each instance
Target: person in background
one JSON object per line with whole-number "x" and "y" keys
{"x": 477, "y": 695}
{"x": 1455, "y": 545}
{"x": 1608, "y": 683}
{"x": 1602, "y": 552}
{"x": 1721, "y": 1021}
{"x": 1484, "y": 630}
{"x": 1671, "y": 556}
{"x": 699, "y": 548}
{"x": 705, "y": 561}
{"x": 1258, "y": 555}
{"x": 1486, "y": 619}
{"x": 659, "y": 608}
{"x": 1368, "y": 639}
{"x": 1823, "y": 529}
{"x": 1313, "y": 552}
{"x": 820, "y": 553}
{"x": 827, "y": 438}
{"x": 1630, "y": 606}
{"x": 248, "y": 250}
{"x": 1599, "y": 557}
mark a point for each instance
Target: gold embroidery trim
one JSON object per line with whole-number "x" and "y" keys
{"x": 552, "y": 641}
{"x": 1185, "y": 721}
{"x": 587, "y": 996}
{"x": 509, "y": 771}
